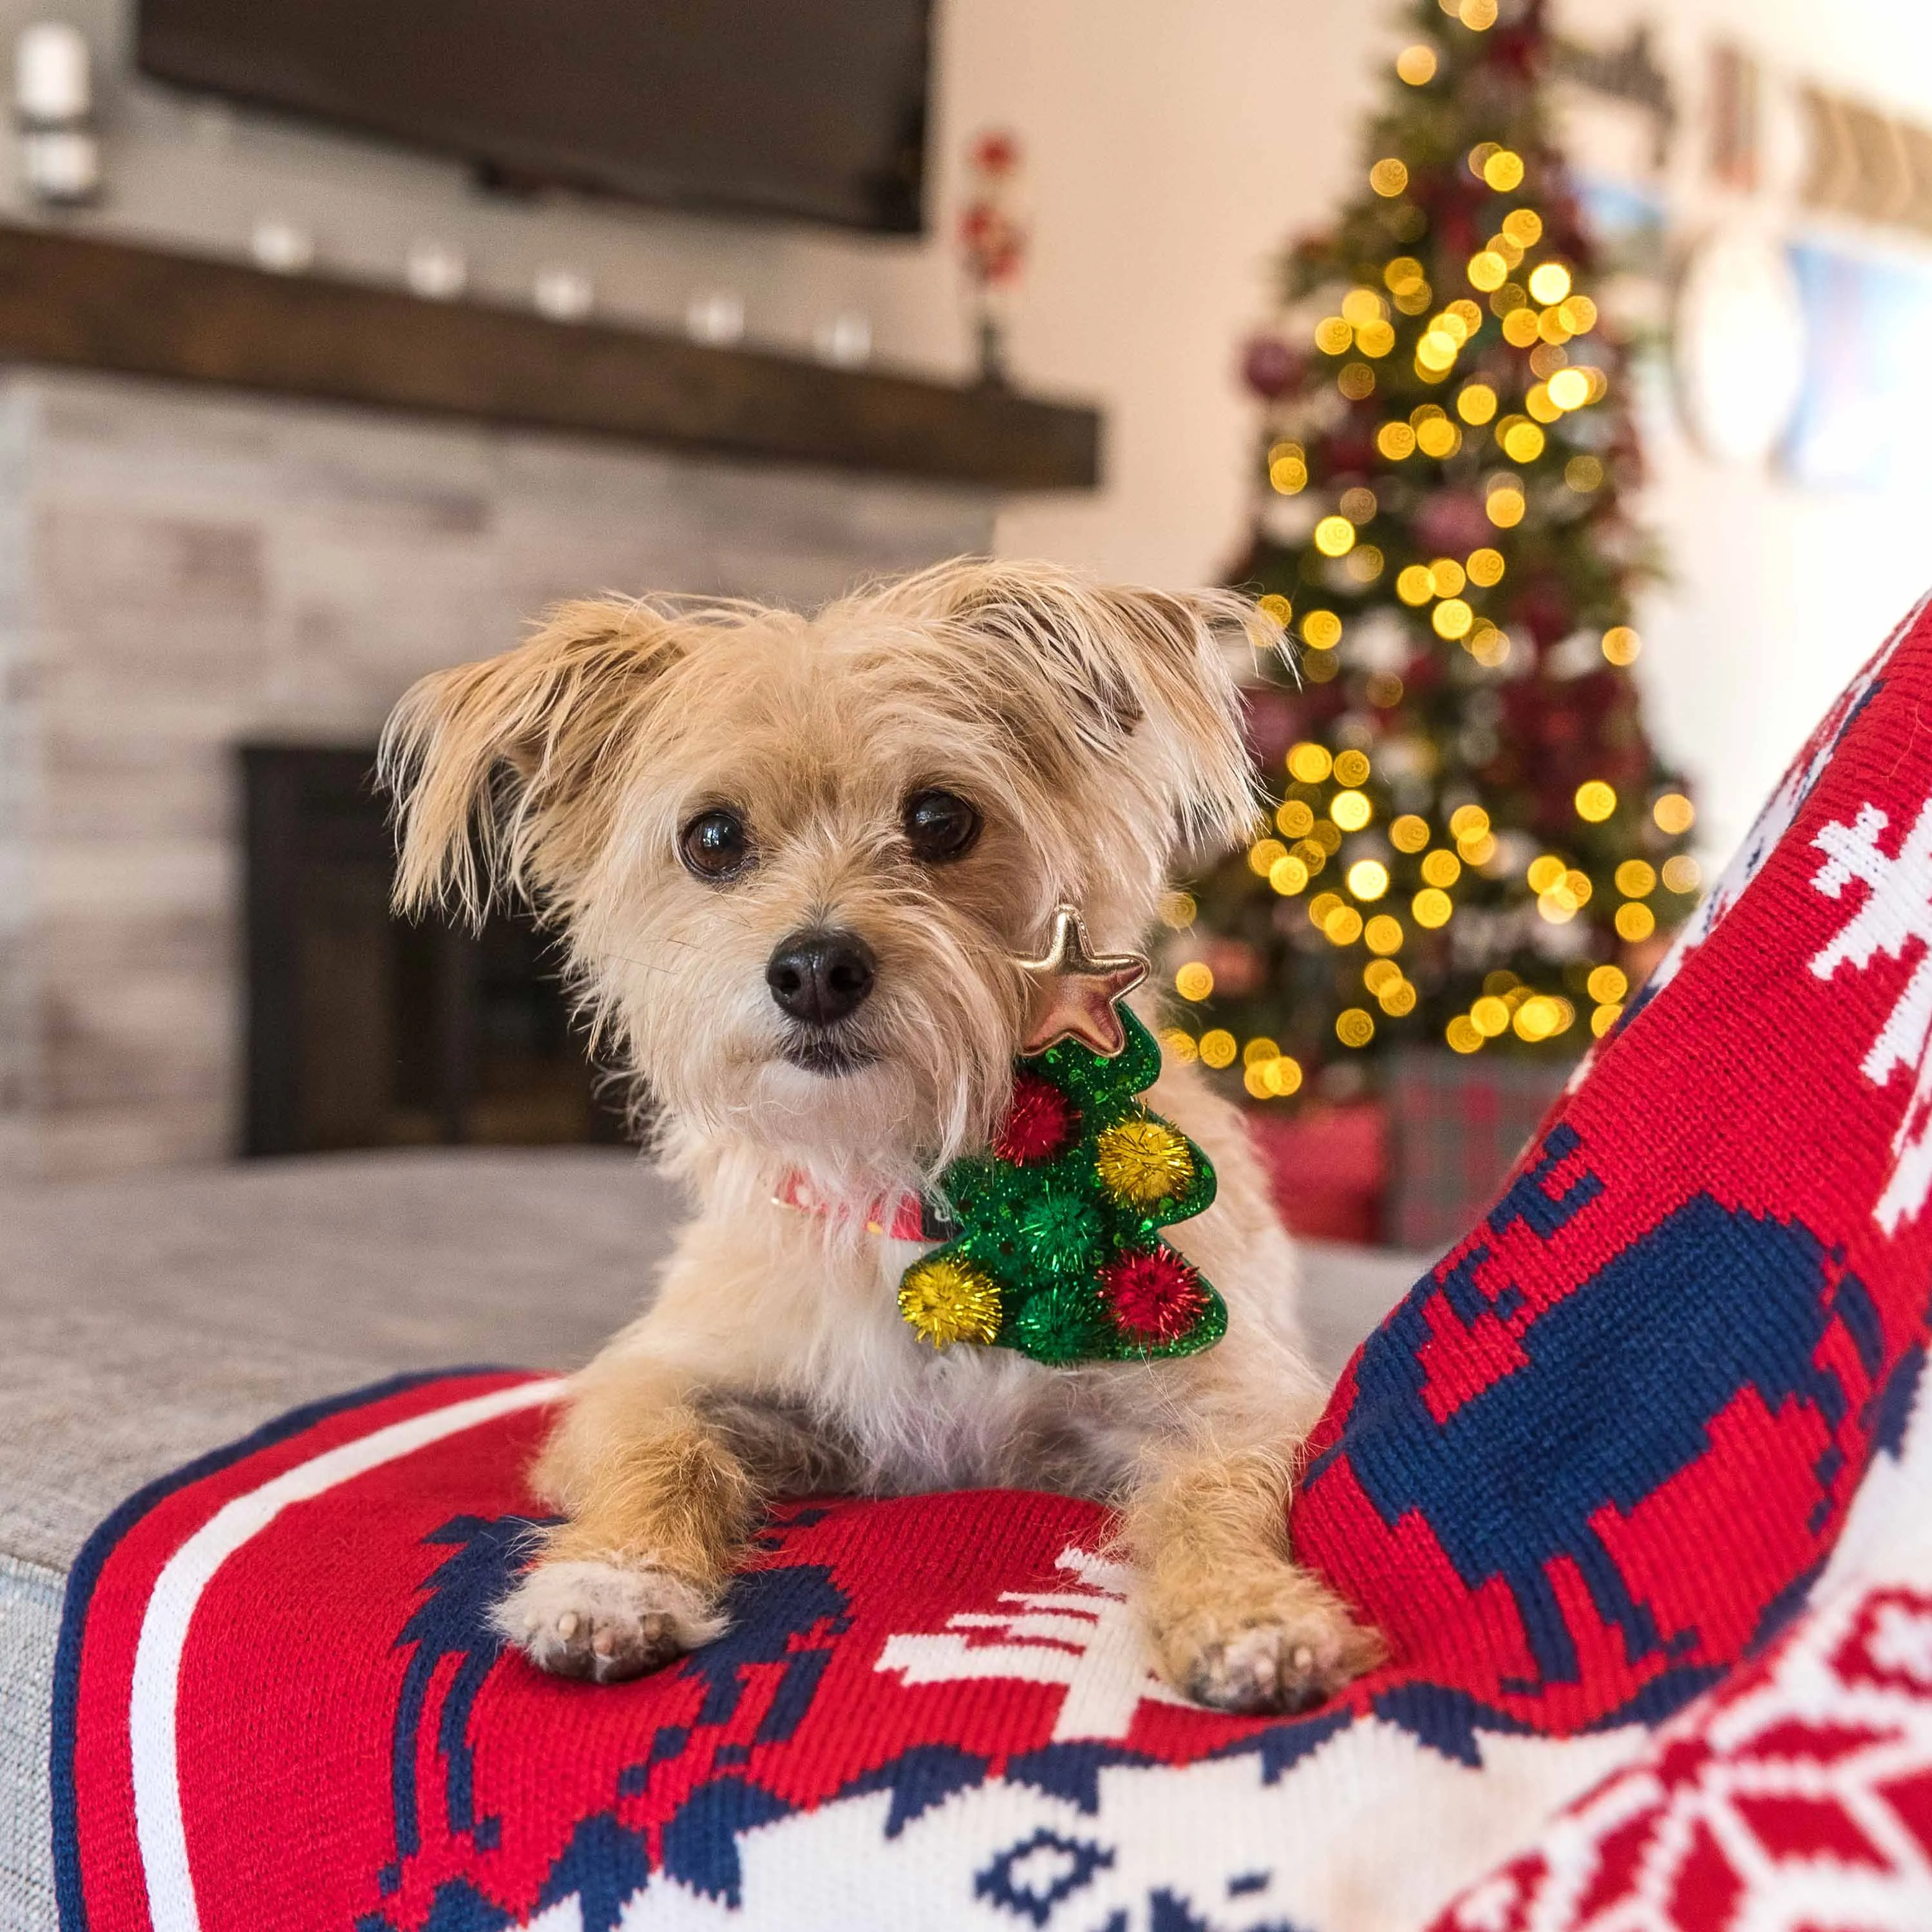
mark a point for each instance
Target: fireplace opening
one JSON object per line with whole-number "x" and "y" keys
{"x": 366, "y": 1030}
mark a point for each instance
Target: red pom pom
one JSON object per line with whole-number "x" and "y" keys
{"x": 1154, "y": 1297}
{"x": 1041, "y": 1123}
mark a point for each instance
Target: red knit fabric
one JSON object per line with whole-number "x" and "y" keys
{"x": 1593, "y": 1479}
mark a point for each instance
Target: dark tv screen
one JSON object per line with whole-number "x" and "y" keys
{"x": 808, "y": 108}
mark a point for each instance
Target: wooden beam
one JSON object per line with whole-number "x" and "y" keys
{"x": 75, "y": 301}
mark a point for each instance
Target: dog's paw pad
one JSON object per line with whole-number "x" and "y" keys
{"x": 607, "y": 1622}
{"x": 1263, "y": 1664}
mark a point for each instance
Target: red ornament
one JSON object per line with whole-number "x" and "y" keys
{"x": 1270, "y": 367}
{"x": 1155, "y": 1297}
{"x": 1041, "y": 1123}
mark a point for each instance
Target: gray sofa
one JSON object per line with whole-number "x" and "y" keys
{"x": 145, "y": 1321}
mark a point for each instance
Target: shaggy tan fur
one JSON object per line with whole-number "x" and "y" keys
{"x": 1096, "y": 731}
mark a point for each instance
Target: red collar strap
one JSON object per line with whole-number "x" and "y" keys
{"x": 903, "y": 1217}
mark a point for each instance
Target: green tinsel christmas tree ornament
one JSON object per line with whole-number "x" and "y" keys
{"x": 1059, "y": 1254}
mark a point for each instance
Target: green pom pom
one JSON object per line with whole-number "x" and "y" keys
{"x": 1063, "y": 1323}
{"x": 1058, "y": 1231}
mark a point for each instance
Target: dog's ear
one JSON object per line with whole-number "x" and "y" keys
{"x": 491, "y": 764}
{"x": 1143, "y": 674}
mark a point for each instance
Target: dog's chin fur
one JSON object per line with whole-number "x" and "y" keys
{"x": 1097, "y": 732}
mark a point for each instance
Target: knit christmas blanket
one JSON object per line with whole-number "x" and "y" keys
{"x": 1637, "y": 1481}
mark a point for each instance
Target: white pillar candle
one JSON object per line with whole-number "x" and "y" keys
{"x": 51, "y": 79}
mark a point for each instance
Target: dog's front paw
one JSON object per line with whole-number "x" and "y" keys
{"x": 607, "y": 1622}
{"x": 1262, "y": 1650}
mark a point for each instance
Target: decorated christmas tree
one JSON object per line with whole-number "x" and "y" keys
{"x": 1470, "y": 839}
{"x": 1060, "y": 1254}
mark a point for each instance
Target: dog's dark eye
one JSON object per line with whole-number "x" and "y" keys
{"x": 715, "y": 845}
{"x": 941, "y": 826}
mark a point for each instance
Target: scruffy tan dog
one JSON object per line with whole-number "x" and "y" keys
{"x": 794, "y": 861}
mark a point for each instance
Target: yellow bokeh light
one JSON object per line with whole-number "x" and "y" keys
{"x": 1178, "y": 910}
{"x": 1537, "y": 1018}
{"x": 1569, "y": 388}
{"x": 1521, "y": 327}
{"x": 1595, "y": 801}
{"x": 1549, "y": 283}
{"x": 1447, "y": 577}
{"x": 1539, "y": 405}
{"x": 1452, "y": 618}
{"x": 1608, "y": 984}
{"x": 1487, "y": 270}
{"x": 1379, "y": 975}
{"x": 1375, "y": 338}
{"x": 1524, "y": 226}
{"x": 1441, "y": 868}
{"x": 1343, "y": 926}
{"x": 1489, "y": 1017}
{"x": 1278, "y": 608}
{"x": 1310, "y": 763}
{"x": 1320, "y": 906}
{"x": 1477, "y": 852}
{"x": 1408, "y": 833}
{"x": 1478, "y": 16}
{"x": 1324, "y": 834}
{"x": 1292, "y": 818}
{"x": 1334, "y": 536}
{"x": 1577, "y": 887}
{"x": 1288, "y": 475}
{"x": 1289, "y": 875}
{"x": 1557, "y": 907}
{"x": 1486, "y": 567}
{"x": 1635, "y": 920}
{"x": 1357, "y": 381}
{"x": 1476, "y": 403}
{"x": 1403, "y": 274}
{"x": 1682, "y": 874}
{"x": 1416, "y": 64}
{"x": 1550, "y": 326}
{"x": 1368, "y": 879}
{"x": 1436, "y": 351}
{"x": 1522, "y": 442}
{"x": 1414, "y": 585}
{"x": 1358, "y": 505}
{"x": 1360, "y": 306}
{"x": 1194, "y": 981}
{"x": 1431, "y": 907}
{"x": 1321, "y": 630}
{"x": 1351, "y": 768}
{"x": 1674, "y": 814}
{"x": 1461, "y": 1035}
{"x": 1283, "y": 1076}
{"x": 1350, "y": 810}
{"x": 1396, "y": 440}
{"x": 1439, "y": 437}
{"x": 1263, "y": 854}
{"x": 1503, "y": 172}
{"x": 1621, "y": 645}
{"x": 1383, "y": 933}
{"x": 1504, "y": 507}
{"x": 1605, "y": 1018}
{"x": 1579, "y": 314}
{"x": 1259, "y": 1048}
{"x": 1179, "y": 1044}
{"x": 1389, "y": 178}
{"x": 1355, "y": 1027}
{"x": 1333, "y": 335}
{"x": 1398, "y": 1000}
{"x": 1487, "y": 645}
{"x": 1546, "y": 873}
{"x": 1217, "y": 1048}
{"x": 1468, "y": 821}
{"x": 1635, "y": 879}
{"x": 1583, "y": 474}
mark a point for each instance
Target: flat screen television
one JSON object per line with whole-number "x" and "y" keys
{"x": 813, "y": 109}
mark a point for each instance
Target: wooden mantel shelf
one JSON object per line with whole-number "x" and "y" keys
{"x": 78, "y": 301}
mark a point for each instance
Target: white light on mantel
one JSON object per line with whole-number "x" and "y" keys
{"x": 51, "y": 80}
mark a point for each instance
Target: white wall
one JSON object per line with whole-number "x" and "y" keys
{"x": 1173, "y": 144}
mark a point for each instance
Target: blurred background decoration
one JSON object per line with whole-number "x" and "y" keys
{"x": 337, "y": 341}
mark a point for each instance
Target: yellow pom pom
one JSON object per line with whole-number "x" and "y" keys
{"x": 1143, "y": 1162}
{"x": 947, "y": 1301}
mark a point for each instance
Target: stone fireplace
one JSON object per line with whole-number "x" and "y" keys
{"x": 185, "y": 570}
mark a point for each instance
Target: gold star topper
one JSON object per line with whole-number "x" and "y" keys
{"x": 1075, "y": 998}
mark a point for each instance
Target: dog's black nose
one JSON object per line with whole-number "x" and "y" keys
{"x": 821, "y": 976}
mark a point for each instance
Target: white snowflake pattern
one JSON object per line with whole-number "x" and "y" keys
{"x": 1895, "y": 917}
{"x": 1087, "y": 1639}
